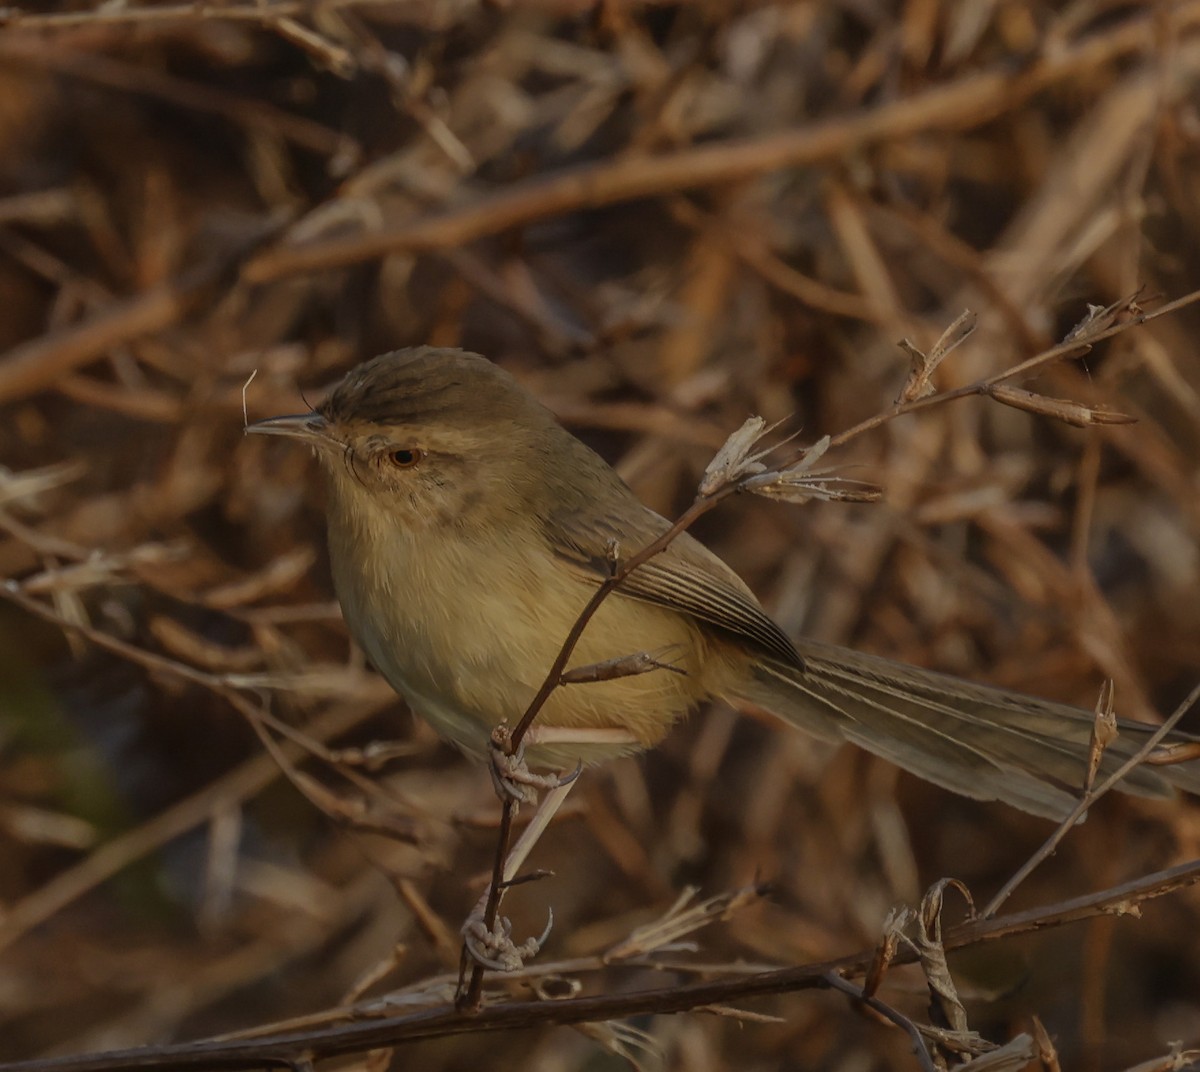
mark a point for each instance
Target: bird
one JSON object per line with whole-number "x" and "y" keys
{"x": 468, "y": 529}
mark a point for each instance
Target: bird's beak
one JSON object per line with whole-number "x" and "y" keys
{"x": 311, "y": 427}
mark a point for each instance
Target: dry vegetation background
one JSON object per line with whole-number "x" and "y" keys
{"x": 662, "y": 218}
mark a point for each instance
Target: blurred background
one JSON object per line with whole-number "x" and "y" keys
{"x": 661, "y": 218}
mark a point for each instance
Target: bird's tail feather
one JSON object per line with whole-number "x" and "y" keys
{"x": 978, "y": 741}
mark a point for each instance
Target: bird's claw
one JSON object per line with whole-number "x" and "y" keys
{"x": 512, "y": 778}
{"x": 495, "y": 949}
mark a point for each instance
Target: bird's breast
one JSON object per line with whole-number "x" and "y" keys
{"x": 466, "y": 626}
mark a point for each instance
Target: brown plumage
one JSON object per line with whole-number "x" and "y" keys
{"x": 468, "y": 529}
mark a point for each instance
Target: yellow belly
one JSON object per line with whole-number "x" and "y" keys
{"x": 468, "y": 637}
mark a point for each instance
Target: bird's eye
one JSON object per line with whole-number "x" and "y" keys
{"x": 406, "y": 459}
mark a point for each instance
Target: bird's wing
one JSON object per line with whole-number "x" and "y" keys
{"x": 686, "y": 577}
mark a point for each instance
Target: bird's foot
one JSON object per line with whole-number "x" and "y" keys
{"x": 494, "y": 948}
{"x": 512, "y": 778}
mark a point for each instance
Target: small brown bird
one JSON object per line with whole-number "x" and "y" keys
{"x": 468, "y": 529}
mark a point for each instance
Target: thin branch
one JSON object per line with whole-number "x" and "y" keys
{"x": 254, "y": 115}
{"x": 961, "y": 105}
{"x": 122, "y": 15}
{"x": 1090, "y": 798}
{"x": 1059, "y": 352}
{"x": 41, "y": 362}
{"x": 239, "y": 784}
{"x": 836, "y": 982}
{"x": 284, "y": 1049}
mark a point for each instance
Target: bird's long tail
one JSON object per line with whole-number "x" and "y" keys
{"x": 978, "y": 741}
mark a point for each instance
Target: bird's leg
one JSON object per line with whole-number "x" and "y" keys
{"x": 493, "y": 947}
